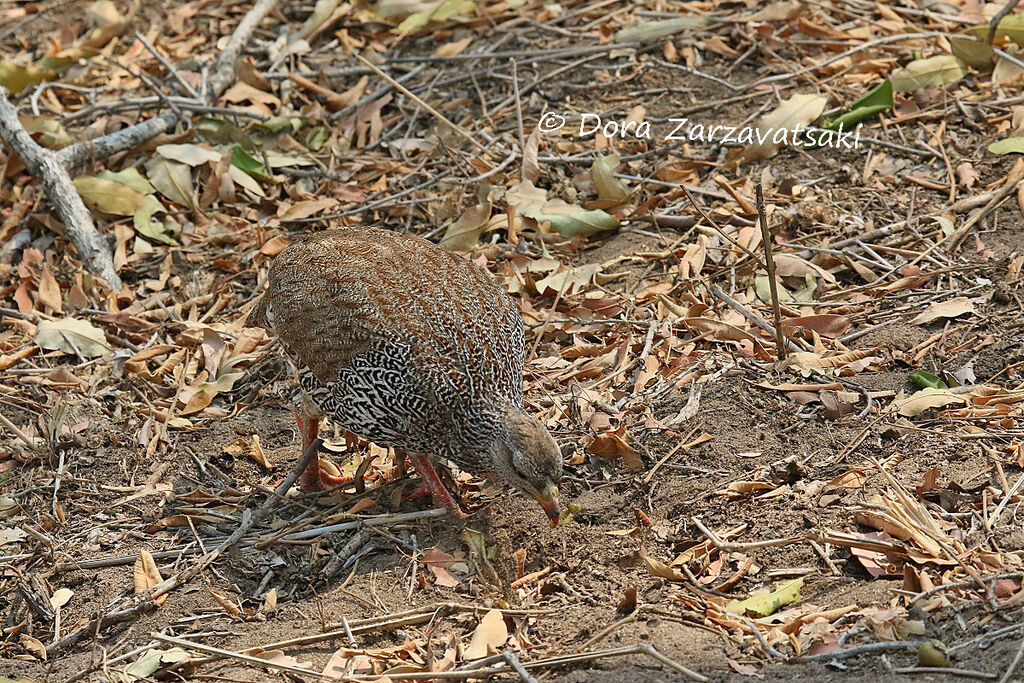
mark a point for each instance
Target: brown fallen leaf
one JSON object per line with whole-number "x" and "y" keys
{"x": 611, "y": 446}
{"x": 953, "y": 308}
{"x": 226, "y": 603}
{"x": 34, "y": 647}
{"x": 146, "y": 575}
{"x": 827, "y": 325}
{"x": 661, "y": 570}
{"x": 489, "y": 635}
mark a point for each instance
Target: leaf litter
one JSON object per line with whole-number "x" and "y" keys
{"x": 863, "y": 492}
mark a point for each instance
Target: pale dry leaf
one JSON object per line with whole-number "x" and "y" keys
{"x": 952, "y": 308}
{"x": 799, "y": 110}
{"x": 68, "y": 334}
{"x": 925, "y": 399}
{"x": 49, "y": 291}
{"x": 60, "y": 597}
{"x": 145, "y": 575}
{"x": 489, "y": 635}
{"x": 33, "y": 645}
{"x": 270, "y": 601}
{"x": 920, "y": 73}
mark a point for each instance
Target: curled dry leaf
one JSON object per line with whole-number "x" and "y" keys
{"x": 146, "y": 575}
{"x": 762, "y": 605}
{"x": 33, "y": 645}
{"x": 611, "y": 446}
{"x": 660, "y": 569}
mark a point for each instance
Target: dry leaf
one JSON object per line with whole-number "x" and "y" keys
{"x": 489, "y": 635}
{"x": 612, "y": 446}
{"x": 799, "y": 110}
{"x": 146, "y": 575}
{"x": 34, "y": 647}
{"x": 952, "y": 308}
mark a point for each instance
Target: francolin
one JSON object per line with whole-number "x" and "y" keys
{"x": 411, "y": 347}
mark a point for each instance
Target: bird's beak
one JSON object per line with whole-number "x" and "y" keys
{"x": 548, "y": 499}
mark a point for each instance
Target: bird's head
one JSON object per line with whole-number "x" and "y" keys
{"x": 525, "y": 456}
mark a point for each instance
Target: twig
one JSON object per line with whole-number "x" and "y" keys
{"x": 435, "y": 113}
{"x": 18, "y": 433}
{"x": 106, "y": 146}
{"x": 45, "y": 165}
{"x": 994, "y": 23}
{"x": 944, "y": 671}
{"x": 224, "y": 68}
{"x": 189, "y": 90}
{"x": 512, "y": 659}
{"x": 742, "y": 547}
{"x": 750, "y": 315}
{"x": 148, "y": 598}
{"x": 769, "y": 259}
{"x": 869, "y": 648}
{"x": 1017, "y": 657}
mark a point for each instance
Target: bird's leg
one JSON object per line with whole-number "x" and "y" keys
{"x": 440, "y": 494}
{"x": 319, "y": 474}
{"x": 308, "y": 428}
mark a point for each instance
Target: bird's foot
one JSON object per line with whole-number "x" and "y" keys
{"x": 320, "y": 475}
{"x": 438, "y": 491}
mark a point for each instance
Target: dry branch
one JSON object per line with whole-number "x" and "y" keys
{"x": 47, "y": 167}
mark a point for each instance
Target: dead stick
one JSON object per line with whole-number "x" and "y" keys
{"x": 45, "y": 166}
{"x": 148, "y": 598}
{"x": 224, "y": 68}
{"x": 769, "y": 260}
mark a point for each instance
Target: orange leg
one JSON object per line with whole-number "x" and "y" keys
{"x": 319, "y": 474}
{"x": 440, "y": 494}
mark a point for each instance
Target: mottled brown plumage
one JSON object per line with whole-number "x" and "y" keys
{"x": 410, "y": 346}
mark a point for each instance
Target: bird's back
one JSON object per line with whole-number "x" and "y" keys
{"x": 409, "y": 329}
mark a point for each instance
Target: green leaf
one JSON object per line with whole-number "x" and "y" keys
{"x": 148, "y": 226}
{"x": 317, "y": 138}
{"x": 108, "y": 196}
{"x": 926, "y": 380}
{"x": 279, "y": 123}
{"x": 244, "y": 161}
{"x": 921, "y": 73}
{"x": 1007, "y": 146}
{"x": 877, "y": 100}
{"x": 17, "y": 77}
{"x": 651, "y": 31}
{"x": 130, "y": 177}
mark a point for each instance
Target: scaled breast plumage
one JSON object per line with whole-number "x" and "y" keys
{"x": 396, "y": 339}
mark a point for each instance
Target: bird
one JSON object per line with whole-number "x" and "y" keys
{"x": 412, "y": 347}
